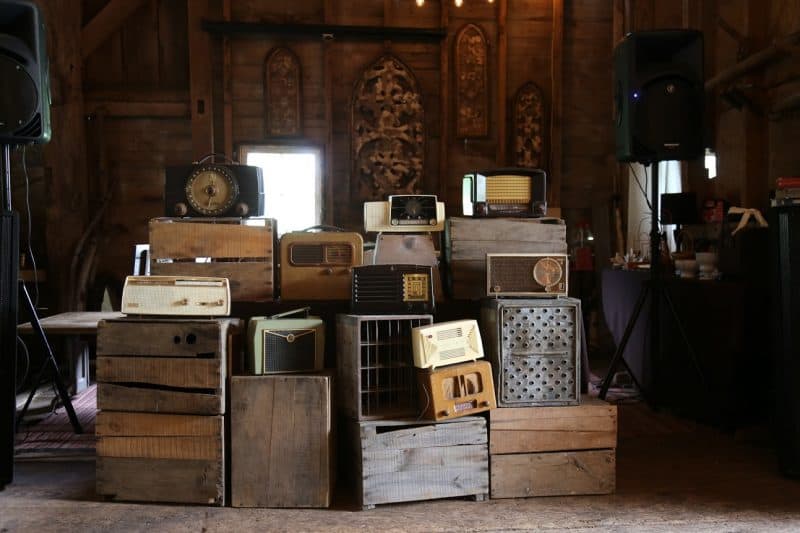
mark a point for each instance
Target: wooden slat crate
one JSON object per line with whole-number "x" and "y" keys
{"x": 468, "y": 240}
{"x": 403, "y": 460}
{"x": 281, "y": 441}
{"x": 549, "y": 451}
{"x": 161, "y": 458}
{"x": 376, "y": 377}
{"x": 164, "y": 365}
{"x": 241, "y": 250}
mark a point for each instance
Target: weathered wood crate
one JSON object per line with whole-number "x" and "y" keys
{"x": 468, "y": 240}
{"x": 161, "y": 458}
{"x": 550, "y": 451}
{"x": 376, "y": 377}
{"x": 405, "y": 460}
{"x": 164, "y": 365}
{"x": 241, "y": 250}
{"x": 281, "y": 441}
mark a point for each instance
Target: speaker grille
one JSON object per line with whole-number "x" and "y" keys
{"x": 508, "y": 189}
{"x": 307, "y": 254}
{"x": 338, "y": 254}
{"x": 281, "y": 355}
{"x": 522, "y": 274}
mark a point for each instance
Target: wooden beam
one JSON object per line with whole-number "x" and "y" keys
{"x": 227, "y": 87}
{"x": 556, "y": 111}
{"x": 327, "y": 82}
{"x": 105, "y": 23}
{"x": 502, "y": 80}
{"x": 445, "y": 172}
{"x": 754, "y": 61}
{"x": 200, "y": 83}
{"x": 757, "y": 144}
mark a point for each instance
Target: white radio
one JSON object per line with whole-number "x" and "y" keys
{"x": 446, "y": 343}
{"x": 405, "y": 213}
{"x": 176, "y": 296}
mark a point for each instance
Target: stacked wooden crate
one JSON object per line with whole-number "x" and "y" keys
{"x": 553, "y": 451}
{"x": 393, "y": 456}
{"x": 241, "y": 250}
{"x": 161, "y": 395}
{"x": 468, "y": 240}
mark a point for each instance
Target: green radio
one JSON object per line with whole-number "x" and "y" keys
{"x": 285, "y": 343}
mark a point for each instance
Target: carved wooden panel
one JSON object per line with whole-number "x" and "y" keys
{"x": 282, "y": 93}
{"x": 388, "y": 131}
{"x": 528, "y": 119}
{"x": 472, "y": 87}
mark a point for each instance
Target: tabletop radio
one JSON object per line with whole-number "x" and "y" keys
{"x": 505, "y": 192}
{"x": 526, "y": 274}
{"x": 405, "y": 213}
{"x": 446, "y": 343}
{"x": 213, "y": 190}
{"x": 278, "y": 343}
{"x": 318, "y": 265}
{"x": 457, "y": 390}
{"x": 392, "y": 289}
{"x": 176, "y": 296}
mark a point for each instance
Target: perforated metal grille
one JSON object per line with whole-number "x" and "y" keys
{"x": 281, "y": 355}
{"x": 508, "y": 189}
{"x": 539, "y": 355}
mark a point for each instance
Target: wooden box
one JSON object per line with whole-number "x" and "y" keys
{"x": 164, "y": 366}
{"x": 402, "y": 460}
{"x": 468, "y": 240}
{"x": 281, "y": 441}
{"x": 549, "y": 451}
{"x": 161, "y": 458}
{"x": 376, "y": 377}
{"x": 241, "y": 250}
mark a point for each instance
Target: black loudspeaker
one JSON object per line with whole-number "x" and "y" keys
{"x": 24, "y": 81}
{"x": 9, "y": 270}
{"x": 658, "y": 96}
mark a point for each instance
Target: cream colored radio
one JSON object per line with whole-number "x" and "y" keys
{"x": 405, "y": 213}
{"x": 176, "y": 296}
{"x": 446, "y": 343}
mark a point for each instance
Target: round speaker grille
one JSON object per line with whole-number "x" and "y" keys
{"x": 18, "y": 96}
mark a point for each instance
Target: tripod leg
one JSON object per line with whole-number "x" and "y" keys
{"x": 692, "y": 354}
{"x": 637, "y": 309}
{"x": 50, "y": 359}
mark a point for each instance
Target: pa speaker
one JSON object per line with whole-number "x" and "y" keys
{"x": 658, "y": 96}
{"x": 24, "y": 81}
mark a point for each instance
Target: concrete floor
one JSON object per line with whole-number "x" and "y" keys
{"x": 677, "y": 480}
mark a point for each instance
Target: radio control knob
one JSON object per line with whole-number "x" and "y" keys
{"x": 328, "y": 271}
{"x": 242, "y": 209}
{"x": 444, "y": 413}
{"x": 180, "y": 209}
{"x": 484, "y": 404}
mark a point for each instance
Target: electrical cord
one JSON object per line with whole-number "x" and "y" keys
{"x": 29, "y": 224}
{"x": 18, "y": 385}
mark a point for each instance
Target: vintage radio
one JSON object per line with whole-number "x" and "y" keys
{"x": 278, "y": 343}
{"x": 505, "y": 192}
{"x": 317, "y": 265}
{"x": 526, "y": 274}
{"x": 457, "y": 390}
{"x": 176, "y": 296}
{"x": 446, "y": 343}
{"x": 214, "y": 190}
{"x": 392, "y": 289}
{"x": 405, "y": 213}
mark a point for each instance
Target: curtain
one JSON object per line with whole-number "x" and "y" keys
{"x": 639, "y": 176}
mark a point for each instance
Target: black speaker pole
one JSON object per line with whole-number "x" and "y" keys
{"x": 656, "y": 280}
{"x": 9, "y": 303}
{"x": 7, "y": 176}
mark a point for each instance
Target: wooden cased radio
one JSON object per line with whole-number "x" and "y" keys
{"x": 505, "y": 192}
{"x": 318, "y": 265}
{"x": 446, "y": 343}
{"x": 214, "y": 190}
{"x": 279, "y": 344}
{"x": 400, "y": 289}
{"x": 176, "y": 296}
{"x": 456, "y": 390}
{"x": 526, "y": 274}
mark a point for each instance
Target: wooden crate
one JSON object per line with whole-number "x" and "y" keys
{"x": 468, "y": 240}
{"x": 164, "y": 365}
{"x": 549, "y": 451}
{"x": 161, "y": 458}
{"x": 241, "y": 250}
{"x": 281, "y": 441}
{"x": 404, "y": 460}
{"x": 376, "y": 377}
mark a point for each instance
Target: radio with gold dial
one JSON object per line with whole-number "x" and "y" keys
{"x": 214, "y": 190}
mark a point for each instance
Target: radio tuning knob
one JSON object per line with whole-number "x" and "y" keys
{"x": 328, "y": 271}
{"x": 242, "y": 209}
{"x": 484, "y": 404}
{"x": 180, "y": 209}
{"x": 444, "y": 413}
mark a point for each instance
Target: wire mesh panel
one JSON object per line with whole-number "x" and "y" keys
{"x": 376, "y": 373}
{"x": 534, "y": 348}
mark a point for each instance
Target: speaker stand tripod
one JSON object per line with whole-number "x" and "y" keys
{"x": 657, "y": 290}
{"x": 50, "y": 362}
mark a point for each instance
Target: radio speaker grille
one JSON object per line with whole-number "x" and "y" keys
{"x": 307, "y": 254}
{"x": 519, "y": 274}
{"x": 338, "y": 254}
{"x": 283, "y": 356}
{"x": 508, "y": 189}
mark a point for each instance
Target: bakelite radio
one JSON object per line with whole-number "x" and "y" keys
{"x": 405, "y": 213}
{"x": 214, "y": 190}
{"x": 446, "y": 343}
{"x": 401, "y": 289}
{"x": 456, "y": 390}
{"x": 526, "y": 274}
{"x": 505, "y": 192}
{"x": 176, "y": 296}
{"x": 279, "y": 344}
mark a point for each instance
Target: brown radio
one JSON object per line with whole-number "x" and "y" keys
{"x": 505, "y": 192}
{"x": 317, "y": 265}
{"x": 526, "y": 274}
{"x": 456, "y": 390}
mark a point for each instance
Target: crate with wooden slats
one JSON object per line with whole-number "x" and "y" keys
{"x": 240, "y": 249}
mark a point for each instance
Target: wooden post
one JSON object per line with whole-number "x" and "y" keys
{"x": 755, "y": 191}
{"x": 327, "y": 55}
{"x": 556, "y": 70}
{"x": 200, "y": 85}
{"x": 502, "y": 80}
{"x": 444, "y": 105}
{"x": 227, "y": 91}
{"x": 65, "y": 154}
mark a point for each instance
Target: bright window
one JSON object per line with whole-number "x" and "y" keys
{"x": 292, "y": 183}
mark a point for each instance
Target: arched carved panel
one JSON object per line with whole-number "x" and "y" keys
{"x": 528, "y": 116}
{"x": 388, "y": 131}
{"x": 472, "y": 87}
{"x": 282, "y": 93}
